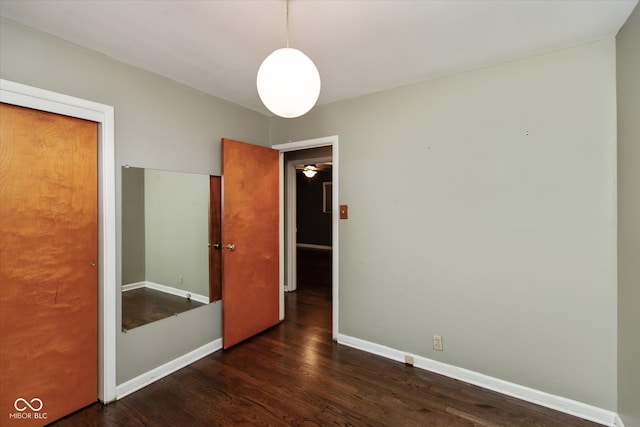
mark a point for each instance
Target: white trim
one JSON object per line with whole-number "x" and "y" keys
{"x": 168, "y": 368}
{"x": 291, "y": 226}
{"x": 132, "y": 286}
{"x": 177, "y": 292}
{"x": 558, "y": 403}
{"x": 617, "y": 422}
{"x": 281, "y": 270}
{"x": 44, "y": 100}
{"x": 167, "y": 290}
{"x": 307, "y": 143}
{"x": 332, "y": 141}
{"x": 313, "y": 246}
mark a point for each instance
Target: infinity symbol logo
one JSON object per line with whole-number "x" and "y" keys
{"x": 21, "y": 404}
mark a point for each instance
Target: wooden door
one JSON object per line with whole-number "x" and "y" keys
{"x": 48, "y": 271}
{"x": 250, "y": 222}
{"x": 215, "y": 238}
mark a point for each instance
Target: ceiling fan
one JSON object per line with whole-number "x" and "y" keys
{"x": 311, "y": 169}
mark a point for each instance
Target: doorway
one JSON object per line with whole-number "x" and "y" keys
{"x": 308, "y": 214}
{"x": 288, "y": 243}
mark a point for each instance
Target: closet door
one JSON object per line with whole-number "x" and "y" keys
{"x": 48, "y": 265}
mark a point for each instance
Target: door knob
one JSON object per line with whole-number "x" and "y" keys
{"x": 231, "y": 247}
{"x": 217, "y": 246}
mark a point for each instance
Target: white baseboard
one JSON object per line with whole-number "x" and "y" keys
{"x": 618, "y": 421}
{"x": 162, "y": 371}
{"x": 167, "y": 290}
{"x": 132, "y": 286}
{"x": 558, "y": 403}
{"x": 178, "y": 292}
{"x": 313, "y": 246}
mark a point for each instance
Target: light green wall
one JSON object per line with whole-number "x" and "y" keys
{"x": 177, "y": 230}
{"x": 482, "y": 207}
{"x": 159, "y": 124}
{"x": 132, "y": 220}
{"x": 628, "y": 70}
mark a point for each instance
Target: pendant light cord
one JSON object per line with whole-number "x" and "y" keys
{"x": 287, "y": 1}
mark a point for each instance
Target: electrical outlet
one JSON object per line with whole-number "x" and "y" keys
{"x": 408, "y": 359}
{"x": 437, "y": 343}
{"x": 180, "y": 279}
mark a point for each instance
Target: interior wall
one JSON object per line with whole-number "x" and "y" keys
{"x": 133, "y": 228}
{"x": 498, "y": 215}
{"x": 177, "y": 230}
{"x": 628, "y": 82}
{"x": 159, "y": 124}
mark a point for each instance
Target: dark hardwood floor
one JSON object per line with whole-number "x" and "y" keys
{"x": 314, "y": 269}
{"x": 294, "y": 374}
{"x": 143, "y": 305}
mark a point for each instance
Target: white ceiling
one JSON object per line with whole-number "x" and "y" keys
{"x": 359, "y": 46}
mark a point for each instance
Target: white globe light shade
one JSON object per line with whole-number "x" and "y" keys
{"x": 288, "y": 83}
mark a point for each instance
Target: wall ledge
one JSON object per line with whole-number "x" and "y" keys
{"x": 162, "y": 371}
{"x": 558, "y": 403}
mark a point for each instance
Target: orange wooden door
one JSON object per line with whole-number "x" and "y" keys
{"x": 250, "y": 222}
{"x": 48, "y": 272}
{"x": 215, "y": 238}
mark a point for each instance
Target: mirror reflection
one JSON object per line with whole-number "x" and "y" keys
{"x": 166, "y": 227}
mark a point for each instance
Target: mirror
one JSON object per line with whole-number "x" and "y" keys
{"x": 168, "y": 266}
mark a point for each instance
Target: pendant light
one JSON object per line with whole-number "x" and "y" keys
{"x": 288, "y": 81}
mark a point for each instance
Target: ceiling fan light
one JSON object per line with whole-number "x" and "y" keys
{"x": 288, "y": 83}
{"x": 309, "y": 173}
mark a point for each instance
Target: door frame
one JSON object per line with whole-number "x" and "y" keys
{"x": 335, "y": 219}
{"x": 291, "y": 220}
{"x": 52, "y": 102}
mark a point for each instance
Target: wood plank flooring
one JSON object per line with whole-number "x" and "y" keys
{"x": 295, "y": 375}
{"x": 144, "y": 305}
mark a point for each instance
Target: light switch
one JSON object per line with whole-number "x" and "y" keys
{"x": 344, "y": 212}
